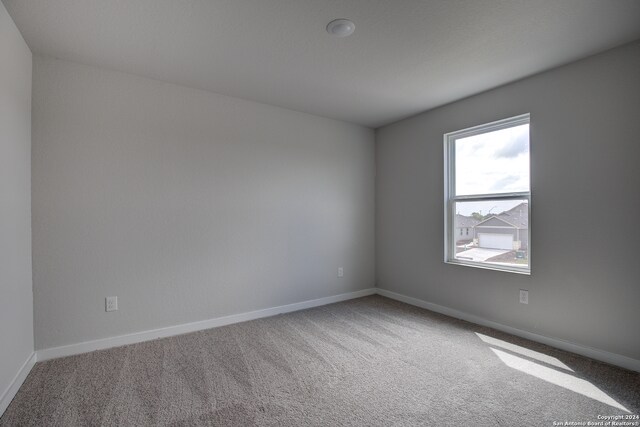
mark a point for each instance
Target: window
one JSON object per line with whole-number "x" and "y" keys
{"x": 487, "y": 190}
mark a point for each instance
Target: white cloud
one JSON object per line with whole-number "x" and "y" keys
{"x": 494, "y": 162}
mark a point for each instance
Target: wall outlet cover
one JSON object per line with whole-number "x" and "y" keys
{"x": 111, "y": 304}
{"x": 524, "y": 296}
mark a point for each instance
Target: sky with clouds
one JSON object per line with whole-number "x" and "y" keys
{"x": 493, "y": 162}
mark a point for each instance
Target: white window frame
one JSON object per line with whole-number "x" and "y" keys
{"x": 450, "y": 198}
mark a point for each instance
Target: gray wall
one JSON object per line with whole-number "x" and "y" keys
{"x": 187, "y": 205}
{"x": 16, "y": 300}
{"x": 585, "y": 163}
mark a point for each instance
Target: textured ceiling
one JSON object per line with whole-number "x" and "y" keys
{"x": 405, "y": 56}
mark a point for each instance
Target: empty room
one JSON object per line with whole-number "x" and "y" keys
{"x": 319, "y": 213}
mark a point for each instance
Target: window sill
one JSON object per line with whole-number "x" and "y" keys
{"x": 523, "y": 271}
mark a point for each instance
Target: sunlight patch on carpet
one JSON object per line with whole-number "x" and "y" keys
{"x": 558, "y": 378}
{"x": 524, "y": 351}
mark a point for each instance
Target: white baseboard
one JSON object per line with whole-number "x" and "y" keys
{"x": 10, "y": 392}
{"x": 593, "y": 353}
{"x": 104, "y": 343}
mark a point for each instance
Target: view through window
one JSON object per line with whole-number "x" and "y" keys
{"x": 488, "y": 195}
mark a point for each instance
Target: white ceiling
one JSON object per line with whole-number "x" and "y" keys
{"x": 405, "y": 56}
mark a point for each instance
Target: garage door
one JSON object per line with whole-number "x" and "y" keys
{"x": 496, "y": 241}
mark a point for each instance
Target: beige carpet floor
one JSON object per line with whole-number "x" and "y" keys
{"x": 367, "y": 362}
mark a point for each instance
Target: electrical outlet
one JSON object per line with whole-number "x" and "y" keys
{"x": 340, "y": 272}
{"x": 524, "y": 296}
{"x": 111, "y": 304}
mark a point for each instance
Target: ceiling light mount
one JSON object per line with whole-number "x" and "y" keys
{"x": 341, "y": 27}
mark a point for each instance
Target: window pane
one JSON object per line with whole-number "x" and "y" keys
{"x": 493, "y": 162}
{"x": 498, "y": 232}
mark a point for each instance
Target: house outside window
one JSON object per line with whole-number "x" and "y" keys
{"x": 487, "y": 191}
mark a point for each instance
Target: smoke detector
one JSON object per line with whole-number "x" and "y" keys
{"x": 341, "y": 27}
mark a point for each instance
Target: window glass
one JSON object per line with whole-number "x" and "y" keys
{"x": 493, "y": 162}
{"x": 500, "y": 233}
{"x": 487, "y": 194}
